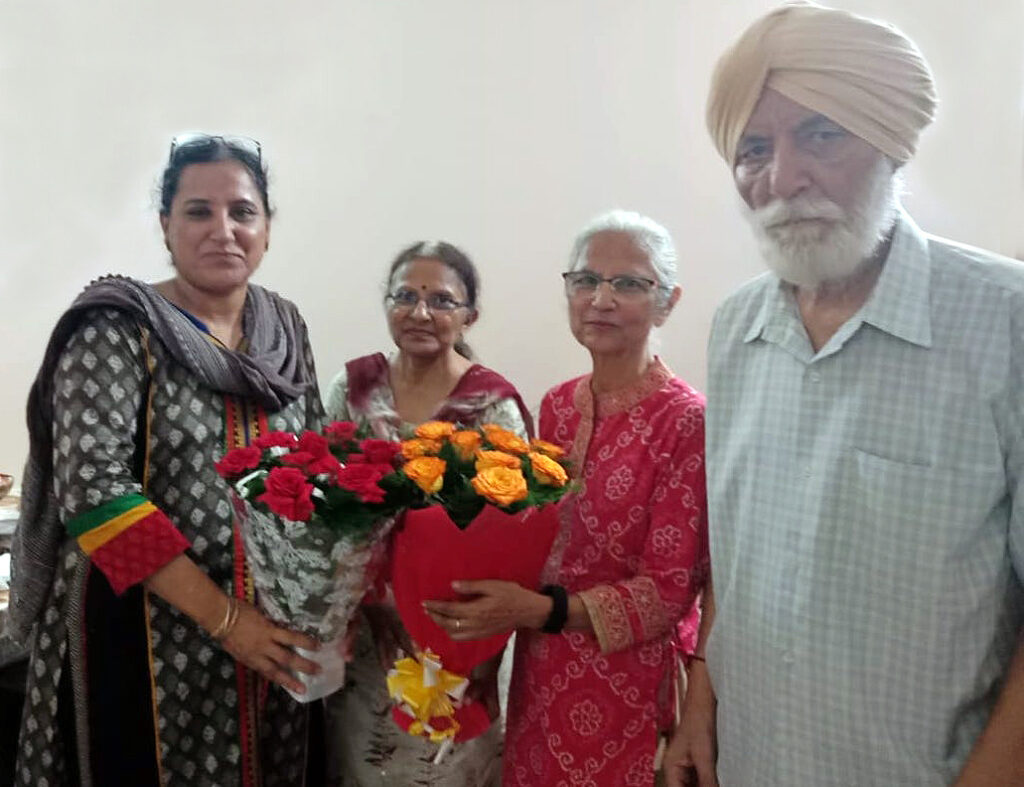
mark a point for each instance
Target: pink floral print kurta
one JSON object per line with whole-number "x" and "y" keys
{"x": 585, "y": 708}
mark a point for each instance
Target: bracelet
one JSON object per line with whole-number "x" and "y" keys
{"x": 234, "y": 618}
{"x": 559, "y": 609}
{"x": 230, "y": 619}
{"x": 692, "y": 657}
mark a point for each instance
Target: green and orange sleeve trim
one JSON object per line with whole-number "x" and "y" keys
{"x": 128, "y": 539}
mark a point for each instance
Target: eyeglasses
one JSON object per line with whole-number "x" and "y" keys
{"x": 198, "y": 140}
{"x": 581, "y": 283}
{"x": 406, "y": 300}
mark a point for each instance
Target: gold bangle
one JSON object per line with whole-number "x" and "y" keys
{"x": 236, "y": 610}
{"x": 230, "y": 617}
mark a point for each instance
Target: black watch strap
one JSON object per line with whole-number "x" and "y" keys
{"x": 559, "y": 609}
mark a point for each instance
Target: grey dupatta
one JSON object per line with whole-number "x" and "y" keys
{"x": 274, "y": 372}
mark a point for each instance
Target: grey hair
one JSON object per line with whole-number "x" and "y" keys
{"x": 645, "y": 233}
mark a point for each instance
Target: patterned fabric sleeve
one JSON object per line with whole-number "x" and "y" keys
{"x": 1011, "y": 415}
{"x": 545, "y": 425}
{"x": 336, "y": 400}
{"x": 100, "y": 385}
{"x": 558, "y": 417}
{"x": 675, "y": 559}
{"x": 505, "y": 413}
{"x": 315, "y": 414}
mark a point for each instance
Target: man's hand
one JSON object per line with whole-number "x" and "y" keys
{"x": 690, "y": 757}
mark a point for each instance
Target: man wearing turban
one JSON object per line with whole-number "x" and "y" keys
{"x": 865, "y": 444}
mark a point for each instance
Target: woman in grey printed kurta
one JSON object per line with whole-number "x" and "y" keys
{"x": 432, "y": 293}
{"x": 136, "y": 399}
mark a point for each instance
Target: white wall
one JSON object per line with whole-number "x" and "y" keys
{"x": 501, "y": 127}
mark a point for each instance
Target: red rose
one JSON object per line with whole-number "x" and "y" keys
{"x": 324, "y": 464}
{"x": 340, "y": 431}
{"x": 272, "y": 439}
{"x": 311, "y": 447}
{"x": 362, "y": 479}
{"x": 313, "y": 443}
{"x": 380, "y": 452}
{"x": 237, "y": 461}
{"x": 288, "y": 494}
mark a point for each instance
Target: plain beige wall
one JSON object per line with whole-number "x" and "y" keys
{"x": 501, "y": 127}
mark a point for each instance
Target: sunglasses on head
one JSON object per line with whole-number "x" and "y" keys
{"x": 199, "y": 140}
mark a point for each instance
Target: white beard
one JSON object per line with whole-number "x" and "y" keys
{"x": 810, "y": 253}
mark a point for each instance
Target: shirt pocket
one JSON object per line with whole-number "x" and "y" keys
{"x": 919, "y": 526}
{"x": 926, "y": 554}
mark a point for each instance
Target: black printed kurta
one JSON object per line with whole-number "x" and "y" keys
{"x": 124, "y": 689}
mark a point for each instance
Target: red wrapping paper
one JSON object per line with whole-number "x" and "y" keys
{"x": 430, "y": 552}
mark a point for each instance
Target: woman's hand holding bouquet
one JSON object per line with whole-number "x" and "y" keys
{"x": 313, "y": 510}
{"x": 484, "y": 511}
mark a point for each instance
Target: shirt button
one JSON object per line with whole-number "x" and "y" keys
{"x": 788, "y": 657}
{"x": 807, "y": 471}
{"x": 814, "y": 377}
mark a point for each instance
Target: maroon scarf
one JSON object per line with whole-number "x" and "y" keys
{"x": 477, "y": 389}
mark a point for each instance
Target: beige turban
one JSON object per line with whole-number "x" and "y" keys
{"x": 864, "y": 75}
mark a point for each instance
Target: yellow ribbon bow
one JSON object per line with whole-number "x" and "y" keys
{"x": 426, "y": 691}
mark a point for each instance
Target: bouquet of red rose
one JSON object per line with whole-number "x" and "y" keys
{"x": 484, "y": 510}
{"x": 313, "y": 510}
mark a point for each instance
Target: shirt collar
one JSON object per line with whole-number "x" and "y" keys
{"x": 900, "y": 302}
{"x": 898, "y": 305}
{"x": 774, "y": 307}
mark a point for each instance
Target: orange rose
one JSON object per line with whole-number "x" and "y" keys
{"x": 500, "y": 485}
{"x": 546, "y": 470}
{"x": 546, "y": 448}
{"x": 487, "y": 459}
{"x": 419, "y": 446}
{"x": 466, "y": 442}
{"x": 427, "y": 472}
{"x": 489, "y": 429}
{"x": 435, "y": 430}
{"x": 504, "y": 440}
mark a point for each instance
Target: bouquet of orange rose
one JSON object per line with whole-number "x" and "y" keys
{"x": 313, "y": 512}
{"x": 485, "y": 511}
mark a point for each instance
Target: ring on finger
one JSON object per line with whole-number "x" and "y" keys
{"x": 458, "y": 624}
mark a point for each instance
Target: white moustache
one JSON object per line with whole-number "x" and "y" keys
{"x": 779, "y": 213}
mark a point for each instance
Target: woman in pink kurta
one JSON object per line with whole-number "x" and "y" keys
{"x": 594, "y": 663}
{"x": 586, "y": 708}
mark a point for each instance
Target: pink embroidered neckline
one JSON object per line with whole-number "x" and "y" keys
{"x": 605, "y": 404}
{"x": 611, "y": 402}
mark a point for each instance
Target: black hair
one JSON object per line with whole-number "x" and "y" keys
{"x": 454, "y": 258}
{"x": 203, "y": 149}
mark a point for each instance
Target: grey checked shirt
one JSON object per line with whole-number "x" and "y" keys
{"x": 867, "y": 522}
